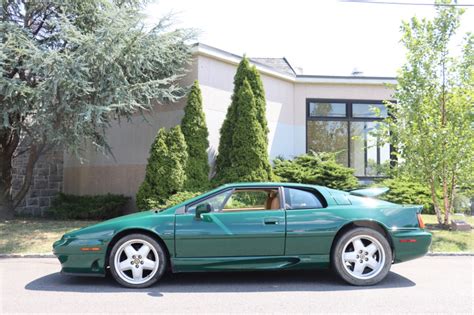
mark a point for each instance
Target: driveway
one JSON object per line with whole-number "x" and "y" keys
{"x": 431, "y": 284}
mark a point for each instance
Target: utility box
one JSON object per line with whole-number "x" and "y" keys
{"x": 459, "y": 225}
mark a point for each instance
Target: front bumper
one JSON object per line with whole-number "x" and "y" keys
{"x": 75, "y": 261}
{"x": 410, "y": 244}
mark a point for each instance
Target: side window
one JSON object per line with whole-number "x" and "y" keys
{"x": 216, "y": 202}
{"x": 301, "y": 199}
{"x": 253, "y": 200}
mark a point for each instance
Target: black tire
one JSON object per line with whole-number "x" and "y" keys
{"x": 346, "y": 270}
{"x": 155, "y": 247}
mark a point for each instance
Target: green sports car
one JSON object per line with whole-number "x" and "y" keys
{"x": 252, "y": 226}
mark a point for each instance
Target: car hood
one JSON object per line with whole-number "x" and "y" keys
{"x": 106, "y": 225}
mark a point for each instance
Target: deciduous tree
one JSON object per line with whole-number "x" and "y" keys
{"x": 432, "y": 121}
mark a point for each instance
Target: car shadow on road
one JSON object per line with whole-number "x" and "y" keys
{"x": 255, "y": 281}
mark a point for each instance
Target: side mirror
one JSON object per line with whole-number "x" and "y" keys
{"x": 202, "y": 208}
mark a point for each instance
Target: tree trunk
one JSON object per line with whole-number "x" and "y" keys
{"x": 34, "y": 153}
{"x": 8, "y": 144}
{"x": 446, "y": 203}
{"x": 437, "y": 209}
{"x": 451, "y": 194}
{"x": 6, "y": 203}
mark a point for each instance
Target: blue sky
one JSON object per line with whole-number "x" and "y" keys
{"x": 323, "y": 37}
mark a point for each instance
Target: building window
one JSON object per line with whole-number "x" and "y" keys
{"x": 345, "y": 127}
{"x": 321, "y": 109}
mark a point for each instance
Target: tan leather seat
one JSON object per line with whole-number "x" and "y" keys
{"x": 275, "y": 203}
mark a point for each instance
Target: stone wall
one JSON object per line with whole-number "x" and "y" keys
{"x": 46, "y": 184}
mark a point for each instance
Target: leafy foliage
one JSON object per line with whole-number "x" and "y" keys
{"x": 316, "y": 168}
{"x": 98, "y": 207}
{"x": 165, "y": 174}
{"x": 248, "y": 151}
{"x": 225, "y": 160}
{"x": 177, "y": 198}
{"x": 68, "y": 68}
{"x": 195, "y": 132}
{"x": 431, "y": 123}
{"x": 405, "y": 190}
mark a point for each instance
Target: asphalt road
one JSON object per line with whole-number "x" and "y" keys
{"x": 428, "y": 285}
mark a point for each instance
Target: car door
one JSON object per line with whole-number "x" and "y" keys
{"x": 238, "y": 222}
{"x": 310, "y": 223}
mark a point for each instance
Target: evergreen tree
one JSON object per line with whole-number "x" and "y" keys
{"x": 244, "y": 72}
{"x": 69, "y": 68}
{"x": 248, "y": 153}
{"x": 195, "y": 133}
{"x": 165, "y": 169}
{"x": 178, "y": 153}
{"x": 260, "y": 102}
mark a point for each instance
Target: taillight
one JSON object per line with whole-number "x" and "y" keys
{"x": 420, "y": 221}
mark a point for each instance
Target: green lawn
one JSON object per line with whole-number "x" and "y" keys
{"x": 451, "y": 241}
{"x": 22, "y": 236}
{"x": 431, "y": 218}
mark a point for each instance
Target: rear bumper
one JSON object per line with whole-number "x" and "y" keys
{"x": 410, "y": 244}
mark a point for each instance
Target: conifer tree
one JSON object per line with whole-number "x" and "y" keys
{"x": 165, "y": 169}
{"x": 68, "y": 69}
{"x": 248, "y": 154}
{"x": 178, "y": 154}
{"x": 195, "y": 133}
{"x": 244, "y": 72}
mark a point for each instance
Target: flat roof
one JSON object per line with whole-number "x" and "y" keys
{"x": 234, "y": 59}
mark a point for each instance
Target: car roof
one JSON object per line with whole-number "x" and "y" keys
{"x": 267, "y": 184}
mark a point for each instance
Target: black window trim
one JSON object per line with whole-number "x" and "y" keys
{"x": 348, "y": 118}
{"x": 232, "y": 189}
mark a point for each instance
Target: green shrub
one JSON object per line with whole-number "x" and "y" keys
{"x": 404, "y": 190}
{"x": 179, "y": 198}
{"x": 172, "y": 200}
{"x": 165, "y": 174}
{"x": 316, "y": 168}
{"x": 195, "y": 133}
{"x": 99, "y": 207}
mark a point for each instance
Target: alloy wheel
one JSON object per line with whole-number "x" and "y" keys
{"x": 136, "y": 261}
{"x": 363, "y": 257}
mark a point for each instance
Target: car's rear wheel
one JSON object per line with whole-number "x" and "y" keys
{"x": 362, "y": 256}
{"x": 137, "y": 261}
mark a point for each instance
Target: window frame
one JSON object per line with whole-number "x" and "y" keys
{"x": 233, "y": 189}
{"x": 348, "y": 118}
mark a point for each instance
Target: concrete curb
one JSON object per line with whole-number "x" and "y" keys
{"x": 52, "y": 256}
{"x": 27, "y": 256}
{"x": 451, "y": 254}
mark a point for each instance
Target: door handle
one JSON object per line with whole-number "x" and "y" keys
{"x": 271, "y": 221}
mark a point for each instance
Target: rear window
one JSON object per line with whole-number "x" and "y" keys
{"x": 302, "y": 199}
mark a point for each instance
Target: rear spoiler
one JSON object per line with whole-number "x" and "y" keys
{"x": 369, "y": 192}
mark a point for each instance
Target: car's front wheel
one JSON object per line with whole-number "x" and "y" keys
{"x": 137, "y": 261}
{"x": 362, "y": 256}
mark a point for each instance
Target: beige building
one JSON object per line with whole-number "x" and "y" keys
{"x": 304, "y": 112}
